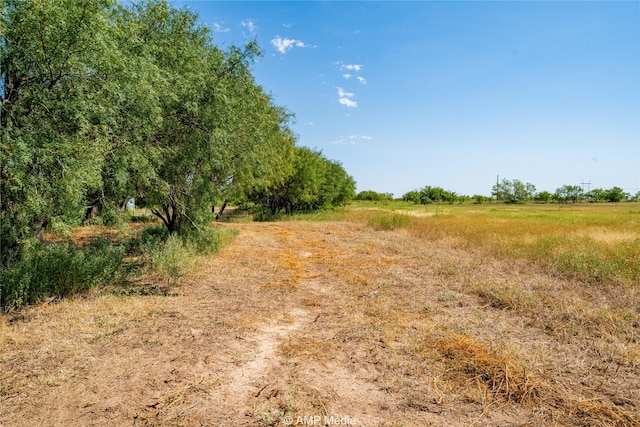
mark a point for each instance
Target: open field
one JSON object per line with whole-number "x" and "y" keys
{"x": 380, "y": 315}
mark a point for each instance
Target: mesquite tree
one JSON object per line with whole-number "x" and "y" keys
{"x": 100, "y": 102}
{"x": 54, "y": 114}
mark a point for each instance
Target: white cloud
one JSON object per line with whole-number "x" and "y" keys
{"x": 352, "y": 139}
{"x": 343, "y": 94}
{"x": 285, "y": 44}
{"x": 362, "y": 80}
{"x": 348, "y": 102}
{"x": 347, "y": 76}
{"x": 218, "y": 28}
{"x": 354, "y": 67}
{"x": 250, "y": 25}
{"x": 345, "y": 98}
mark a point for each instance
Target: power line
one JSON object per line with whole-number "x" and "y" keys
{"x": 588, "y": 184}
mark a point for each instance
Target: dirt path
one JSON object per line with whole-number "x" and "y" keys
{"x": 303, "y": 323}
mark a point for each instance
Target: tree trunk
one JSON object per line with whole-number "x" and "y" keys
{"x": 221, "y": 211}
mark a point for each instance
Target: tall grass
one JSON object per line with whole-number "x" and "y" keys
{"x": 62, "y": 269}
{"x": 170, "y": 256}
{"x": 598, "y": 243}
{"x": 389, "y": 221}
{"x": 59, "y": 270}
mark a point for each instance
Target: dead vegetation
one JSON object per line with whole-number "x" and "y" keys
{"x": 302, "y": 319}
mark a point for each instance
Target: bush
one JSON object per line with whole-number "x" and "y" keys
{"x": 171, "y": 254}
{"x": 169, "y": 258}
{"x": 59, "y": 270}
{"x": 412, "y": 196}
{"x": 207, "y": 239}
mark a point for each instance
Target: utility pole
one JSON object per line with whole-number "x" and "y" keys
{"x": 588, "y": 184}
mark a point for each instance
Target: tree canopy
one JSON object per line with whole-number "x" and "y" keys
{"x": 100, "y": 102}
{"x": 315, "y": 182}
{"x": 513, "y": 191}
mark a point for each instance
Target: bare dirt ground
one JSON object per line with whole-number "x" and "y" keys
{"x": 319, "y": 323}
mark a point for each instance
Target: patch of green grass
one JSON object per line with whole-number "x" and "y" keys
{"x": 61, "y": 269}
{"x": 389, "y": 221}
{"x": 449, "y": 296}
{"x": 172, "y": 255}
{"x": 598, "y": 243}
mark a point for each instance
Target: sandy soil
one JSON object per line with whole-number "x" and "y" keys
{"x": 305, "y": 323}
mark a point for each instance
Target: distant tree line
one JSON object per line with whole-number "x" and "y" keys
{"x": 515, "y": 191}
{"x": 374, "y": 196}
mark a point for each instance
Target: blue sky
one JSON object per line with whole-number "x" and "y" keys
{"x": 452, "y": 94}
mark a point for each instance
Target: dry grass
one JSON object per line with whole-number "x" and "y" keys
{"x": 412, "y": 324}
{"x": 595, "y": 243}
{"x": 475, "y": 366}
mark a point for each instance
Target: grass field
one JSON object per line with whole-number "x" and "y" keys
{"x": 598, "y": 243}
{"x": 380, "y": 314}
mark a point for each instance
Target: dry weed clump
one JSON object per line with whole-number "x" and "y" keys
{"x": 303, "y": 346}
{"x": 469, "y": 362}
{"x": 174, "y": 406}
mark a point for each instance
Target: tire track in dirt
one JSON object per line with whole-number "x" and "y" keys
{"x": 248, "y": 376}
{"x": 291, "y": 358}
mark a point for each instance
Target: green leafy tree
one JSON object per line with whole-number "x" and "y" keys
{"x": 513, "y": 191}
{"x": 136, "y": 104}
{"x": 568, "y": 193}
{"x": 596, "y": 195}
{"x": 220, "y": 135}
{"x": 615, "y": 194}
{"x": 436, "y": 195}
{"x": 543, "y": 197}
{"x": 257, "y": 148}
{"x": 54, "y": 124}
{"x": 337, "y": 189}
{"x": 179, "y": 187}
{"x": 412, "y": 196}
{"x": 373, "y": 196}
{"x": 314, "y": 183}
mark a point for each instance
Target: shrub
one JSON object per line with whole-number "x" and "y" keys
{"x": 171, "y": 254}
{"x": 412, "y": 196}
{"x": 59, "y": 270}
{"x": 168, "y": 258}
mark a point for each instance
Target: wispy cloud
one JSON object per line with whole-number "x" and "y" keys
{"x": 343, "y": 94}
{"x": 284, "y": 44}
{"x": 353, "y": 139}
{"x": 344, "y": 98}
{"x": 353, "y": 67}
{"x": 250, "y": 25}
{"x": 348, "y": 102}
{"x": 218, "y": 28}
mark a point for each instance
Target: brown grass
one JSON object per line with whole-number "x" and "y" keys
{"x": 300, "y": 318}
